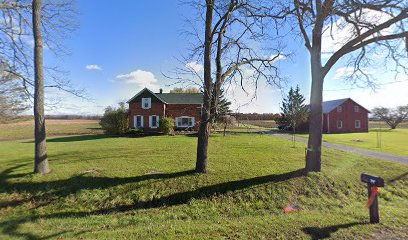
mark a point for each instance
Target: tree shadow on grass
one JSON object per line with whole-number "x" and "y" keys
{"x": 325, "y": 232}
{"x": 79, "y": 138}
{"x": 400, "y": 177}
{"x": 63, "y": 188}
{"x": 11, "y": 228}
{"x": 203, "y": 192}
{"x": 75, "y": 138}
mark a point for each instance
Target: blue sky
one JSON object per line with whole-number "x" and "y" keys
{"x": 122, "y": 46}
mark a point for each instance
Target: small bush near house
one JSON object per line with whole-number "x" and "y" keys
{"x": 135, "y": 132}
{"x": 167, "y": 125}
{"x": 115, "y": 120}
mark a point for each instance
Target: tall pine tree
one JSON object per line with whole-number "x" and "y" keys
{"x": 294, "y": 111}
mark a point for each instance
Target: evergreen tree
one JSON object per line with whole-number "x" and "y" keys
{"x": 223, "y": 107}
{"x": 294, "y": 111}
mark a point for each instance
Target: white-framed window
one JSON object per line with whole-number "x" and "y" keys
{"x": 185, "y": 121}
{"x": 138, "y": 121}
{"x": 339, "y": 124}
{"x": 357, "y": 124}
{"x": 146, "y": 103}
{"x": 356, "y": 109}
{"x": 339, "y": 109}
{"x": 154, "y": 121}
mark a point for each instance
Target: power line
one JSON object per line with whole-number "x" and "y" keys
{"x": 347, "y": 89}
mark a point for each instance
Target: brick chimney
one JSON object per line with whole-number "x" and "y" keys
{"x": 161, "y": 91}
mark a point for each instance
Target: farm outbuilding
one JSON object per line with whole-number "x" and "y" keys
{"x": 344, "y": 116}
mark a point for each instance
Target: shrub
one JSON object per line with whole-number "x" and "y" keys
{"x": 135, "y": 132}
{"x": 227, "y": 121}
{"x": 167, "y": 125}
{"x": 115, "y": 120}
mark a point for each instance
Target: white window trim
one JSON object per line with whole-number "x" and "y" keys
{"x": 149, "y": 101}
{"x": 339, "y": 109}
{"x": 355, "y": 124}
{"x": 135, "y": 121}
{"x": 341, "y": 124}
{"x": 151, "y": 121}
{"x": 356, "y": 108}
{"x": 192, "y": 121}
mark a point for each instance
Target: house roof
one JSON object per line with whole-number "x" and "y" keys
{"x": 174, "y": 98}
{"x": 181, "y": 98}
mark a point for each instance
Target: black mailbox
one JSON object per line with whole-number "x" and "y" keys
{"x": 373, "y": 185}
{"x": 372, "y": 180}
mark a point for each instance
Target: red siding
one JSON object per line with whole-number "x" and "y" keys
{"x": 135, "y": 108}
{"x": 191, "y": 110}
{"x": 167, "y": 110}
{"x": 348, "y": 117}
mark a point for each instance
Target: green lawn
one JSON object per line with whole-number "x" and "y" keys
{"x": 141, "y": 188}
{"x": 392, "y": 141}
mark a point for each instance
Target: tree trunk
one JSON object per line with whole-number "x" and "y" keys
{"x": 204, "y": 131}
{"x": 313, "y": 156}
{"x": 41, "y": 160}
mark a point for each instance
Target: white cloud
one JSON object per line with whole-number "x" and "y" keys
{"x": 343, "y": 72}
{"x": 341, "y": 31}
{"x": 256, "y": 97}
{"x": 391, "y": 95}
{"x": 195, "y": 66}
{"x": 93, "y": 67}
{"x": 280, "y": 57}
{"x": 140, "y": 78}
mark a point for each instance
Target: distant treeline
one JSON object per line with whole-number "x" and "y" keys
{"x": 72, "y": 117}
{"x": 256, "y": 116}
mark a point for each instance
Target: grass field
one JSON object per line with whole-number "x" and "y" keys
{"x": 25, "y": 129}
{"x": 389, "y": 141}
{"x": 127, "y": 188}
{"x": 379, "y": 124}
{"x": 260, "y": 123}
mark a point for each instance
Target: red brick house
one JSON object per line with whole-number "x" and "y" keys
{"x": 344, "y": 116}
{"x": 147, "y": 107}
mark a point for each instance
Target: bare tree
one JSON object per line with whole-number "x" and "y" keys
{"x": 233, "y": 30}
{"x": 204, "y": 131}
{"x": 185, "y": 90}
{"x": 362, "y": 30}
{"x": 26, "y": 28}
{"x": 227, "y": 121}
{"x": 393, "y": 117}
{"x": 12, "y": 96}
{"x": 41, "y": 159}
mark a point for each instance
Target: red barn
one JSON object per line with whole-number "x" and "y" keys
{"x": 344, "y": 116}
{"x": 147, "y": 107}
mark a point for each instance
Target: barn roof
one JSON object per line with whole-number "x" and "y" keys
{"x": 328, "y": 106}
{"x": 174, "y": 98}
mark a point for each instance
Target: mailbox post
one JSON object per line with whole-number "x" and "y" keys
{"x": 373, "y": 183}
